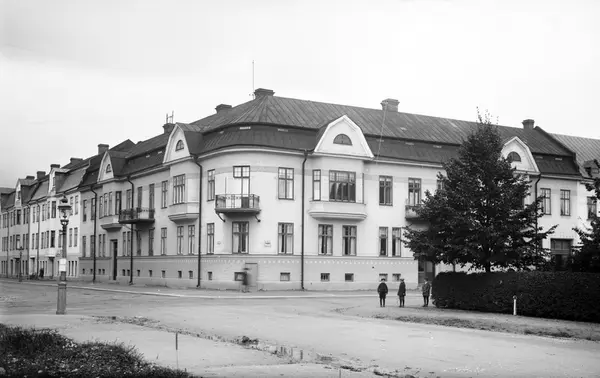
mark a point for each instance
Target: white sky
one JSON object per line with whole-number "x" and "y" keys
{"x": 77, "y": 73}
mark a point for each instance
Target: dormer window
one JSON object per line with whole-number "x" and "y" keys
{"x": 513, "y": 157}
{"x": 342, "y": 139}
{"x": 179, "y": 145}
{"x": 108, "y": 169}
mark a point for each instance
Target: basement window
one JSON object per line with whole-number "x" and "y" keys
{"x": 349, "y": 277}
{"x": 284, "y": 276}
{"x": 163, "y": 273}
{"x": 383, "y": 276}
{"x": 210, "y": 276}
{"x": 396, "y": 277}
{"x": 191, "y": 274}
{"x": 150, "y": 273}
{"x": 324, "y": 277}
{"x": 138, "y": 273}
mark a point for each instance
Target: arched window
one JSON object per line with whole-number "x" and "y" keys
{"x": 513, "y": 156}
{"x": 108, "y": 169}
{"x": 179, "y": 145}
{"x": 342, "y": 139}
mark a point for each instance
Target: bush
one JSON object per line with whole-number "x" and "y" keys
{"x": 45, "y": 353}
{"x": 555, "y": 295}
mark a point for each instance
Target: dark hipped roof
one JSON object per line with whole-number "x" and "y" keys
{"x": 586, "y": 149}
{"x": 313, "y": 115}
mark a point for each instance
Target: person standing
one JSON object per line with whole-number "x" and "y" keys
{"x": 245, "y": 281}
{"x": 426, "y": 292}
{"x": 401, "y": 292}
{"x": 382, "y": 289}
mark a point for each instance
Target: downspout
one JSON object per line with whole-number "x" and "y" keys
{"x": 199, "y": 222}
{"x": 28, "y": 240}
{"x": 95, "y": 233}
{"x": 8, "y": 242}
{"x": 302, "y": 222}
{"x": 536, "y": 218}
{"x": 132, "y": 234}
{"x": 37, "y": 239}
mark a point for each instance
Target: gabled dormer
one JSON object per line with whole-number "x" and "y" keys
{"x": 520, "y": 156}
{"x": 106, "y": 171}
{"x": 343, "y": 137}
{"x": 177, "y": 146}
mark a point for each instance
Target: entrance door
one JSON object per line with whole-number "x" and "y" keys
{"x": 426, "y": 270}
{"x": 252, "y": 276}
{"x": 115, "y": 250}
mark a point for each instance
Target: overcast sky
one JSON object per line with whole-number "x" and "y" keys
{"x": 76, "y": 73}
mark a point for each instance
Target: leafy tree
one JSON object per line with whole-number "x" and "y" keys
{"x": 479, "y": 216}
{"x": 586, "y": 257}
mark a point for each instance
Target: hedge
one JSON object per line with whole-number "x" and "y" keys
{"x": 555, "y": 295}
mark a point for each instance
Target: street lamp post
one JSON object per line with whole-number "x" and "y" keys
{"x": 64, "y": 210}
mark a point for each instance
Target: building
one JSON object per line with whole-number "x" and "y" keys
{"x": 300, "y": 194}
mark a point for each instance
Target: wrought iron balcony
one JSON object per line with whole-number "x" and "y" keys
{"x": 136, "y": 215}
{"x": 237, "y": 204}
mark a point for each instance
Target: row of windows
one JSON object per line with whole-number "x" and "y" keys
{"x": 48, "y": 240}
{"x": 565, "y": 203}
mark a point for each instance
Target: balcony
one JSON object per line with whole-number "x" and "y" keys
{"x": 53, "y": 252}
{"x": 183, "y": 212}
{"x": 411, "y": 212}
{"x": 337, "y": 210}
{"x": 136, "y": 216}
{"x": 110, "y": 223}
{"x": 237, "y": 204}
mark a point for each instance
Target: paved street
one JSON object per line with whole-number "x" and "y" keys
{"x": 312, "y": 325}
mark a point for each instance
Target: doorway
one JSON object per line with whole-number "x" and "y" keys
{"x": 252, "y": 276}
{"x": 426, "y": 270}
{"x": 114, "y": 247}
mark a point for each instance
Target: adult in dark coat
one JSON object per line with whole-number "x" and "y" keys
{"x": 382, "y": 289}
{"x": 245, "y": 281}
{"x": 401, "y": 292}
{"x": 426, "y": 292}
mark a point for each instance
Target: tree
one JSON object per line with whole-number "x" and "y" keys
{"x": 479, "y": 216}
{"x": 586, "y": 256}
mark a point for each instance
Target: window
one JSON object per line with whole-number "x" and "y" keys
{"x": 70, "y": 203}
{"x": 103, "y": 250}
{"x": 70, "y": 237}
{"x": 164, "y": 193}
{"x": 93, "y": 208}
{"x": 163, "y": 241}
{"x": 75, "y": 236}
{"x": 342, "y": 186}
{"x": 110, "y": 204}
{"x": 324, "y": 277}
{"x": 286, "y": 238}
{"x": 565, "y": 202}
{"x": 84, "y": 210}
{"x": 210, "y": 191}
{"x": 151, "y": 196}
{"x": 52, "y": 239}
{"x": 101, "y": 212}
{"x": 349, "y": 277}
{"x": 242, "y": 173}
{"x": 513, "y": 157}
{"x": 76, "y": 206}
{"x": 286, "y": 183}
{"x": 53, "y": 209}
{"x": 118, "y": 202}
{"x": 179, "y": 240}
{"x": 124, "y": 243}
{"x": 190, "y": 274}
{"x": 210, "y": 238}
{"x": 240, "y": 237}
{"x": 396, "y": 277}
{"x": 316, "y": 184}
{"x": 138, "y": 273}
{"x": 546, "y": 204}
{"x": 92, "y": 245}
{"x": 138, "y": 242}
{"x": 238, "y": 276}
{"x": 209, "y": 276}
{"x": 179, "y": 145}
{"x": 440, "y": 185}
{"x": 163, "y": 274}
{"x": 325, "y": 239}
{"x": 561, "y": 250}
{"x": 284, "y": 276}
{"x": 191, "y": 239}
{"x": 592, "y": 207}
{"x": 108, "y": 168}
{"x": 179, "y": 274}
{"x": 342, "y": 139}
{"x": 179, "y": 189}
{"x": 383, "y": 276}
{"x": 349, "y": 240}
{"x": 414, "y": 191}
{"x": 139, "y": 197}
{"x": 385, "y": 190}
{"x": 83, "y": 246}
{"x": 128, "y": 199}
{"x": 383, "y": 241}
{"x": 150, "y": 273}
{"x": 18, "y": 216}
{"x": 151, "y": 242}
{"x": 396, "y": 241}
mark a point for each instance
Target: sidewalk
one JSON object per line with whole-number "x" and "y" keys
{"x": 202, "y": 293}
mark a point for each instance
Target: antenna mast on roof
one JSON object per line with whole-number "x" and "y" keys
{"x": 169, "y": 118}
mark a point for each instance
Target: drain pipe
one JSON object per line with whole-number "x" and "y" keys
{"x": 302, "y": 222}
{"x": 37, "y": 239}
{"x": 196, "y": 159}
{"x": 95, "y": 232}
{"x": 536, "y": 219}
{"x": 9, "y": 244}
{"x": 131, "y": 240}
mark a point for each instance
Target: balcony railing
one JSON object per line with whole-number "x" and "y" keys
{"x": 411, "y": 210}
{"x": 237, "y": 203}
{"x": 137, "y": 215}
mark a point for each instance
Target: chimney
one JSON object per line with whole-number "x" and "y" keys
{"x": 102, "y": 148}
{"x": 168, "y": 127}
{"x": 40, "y": 175}
{"x": 261, "y": 92}
{"x": 390, "y": 104}
{"x": 56, "y": 166}
{"x": 76, "y": 160}
{"x": 528, "y": 124}
{"x": 30, "y": 178}
{"x": 222, "y": 107}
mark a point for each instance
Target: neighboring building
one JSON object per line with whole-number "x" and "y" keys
{"x": 301, "y": 194}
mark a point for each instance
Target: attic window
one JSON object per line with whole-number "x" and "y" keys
{"x": 108, "y": 169}
{"x": 283, "y": 130}
{"x": 179, "y": 145}
{"x": 342, "y": 139}
{"x": 559, "y": 159}
{"x": 437, "y": 146}
{"x": 513, "y": 157}
{"x": 245, "y": 127}
{"x": 410, "y": 143}
{"x": 159, "y": 152}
